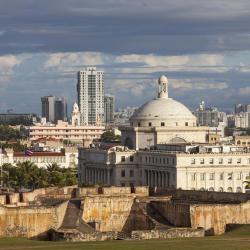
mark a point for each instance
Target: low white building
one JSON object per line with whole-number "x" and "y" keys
{"x": 212, "y": 168}
{"x": 66, "y": 159}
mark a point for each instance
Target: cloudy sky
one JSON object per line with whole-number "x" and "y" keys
{"x": 202, "y": 46}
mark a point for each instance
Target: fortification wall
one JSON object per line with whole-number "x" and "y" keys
{"x": 177, "y": 214}
{"x": 214, "y": 217}
{"x": 114, "y": 213}
{"x": 30, "y": 221}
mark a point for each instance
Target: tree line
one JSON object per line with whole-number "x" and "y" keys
{"x": 27, "y": 175}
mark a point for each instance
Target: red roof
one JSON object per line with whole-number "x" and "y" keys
{"x": 35, "y": 154}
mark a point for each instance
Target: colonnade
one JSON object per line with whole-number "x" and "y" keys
{"x": 97, "y": 176}
{"x": 157, "y": 178}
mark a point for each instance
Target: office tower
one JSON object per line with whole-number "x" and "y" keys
{"x": 109, "y": 108}
{"x": 54, "y": 108}
{"x": 239, "y": 108}
{"x": 60, "y": 109}
{"x": 90, "y": 91}
{"x": 48, "y": 108}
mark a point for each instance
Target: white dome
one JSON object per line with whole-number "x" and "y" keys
{"x": 163, "y": 79}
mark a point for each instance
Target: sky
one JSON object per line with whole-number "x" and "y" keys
{"x": 203, "y": 47}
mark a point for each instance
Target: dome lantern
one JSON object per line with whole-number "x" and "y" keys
{"x": 163, "y": 87}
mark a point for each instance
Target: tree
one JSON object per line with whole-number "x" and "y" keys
{"x": 109, "y": 136}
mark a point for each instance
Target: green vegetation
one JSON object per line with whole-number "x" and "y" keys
{"x": 109, "y": 136}
{"x": 208, "y": 243}
{"x": 7, "y": 133}
{"x": 28, "y": 175}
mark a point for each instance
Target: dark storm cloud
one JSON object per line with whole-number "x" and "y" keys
{"x": 119, "y": 26}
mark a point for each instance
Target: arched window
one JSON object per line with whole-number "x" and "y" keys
{"x": 211, "y": 189}
{"x": 239, "y": 190}
{"x": 238, "y": 142}
{"x": 220, "y": 189}
{"x": 230, "y": 190}
{"x": 202, "y": 189}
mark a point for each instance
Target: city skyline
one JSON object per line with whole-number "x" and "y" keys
{"x": 204, "y": 51}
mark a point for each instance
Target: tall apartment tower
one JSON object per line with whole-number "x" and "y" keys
{"x": 54, "y": 108}
{"x": 109, "y": 108}
{"x": 90, "y": 91}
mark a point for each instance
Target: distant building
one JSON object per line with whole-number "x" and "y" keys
{"x": 65, "y": 131}
{"x": 209, "y": 116}
{"x": 109, "y": 108}
{"x": 75, "y": 115}
{"x": 239, "y": 108}
{"x": 242, "y": 120}
{"x": 54, "y": 108}
{"x": 17, "y": 119}
{"x": 60, "y": 109}
{"x": 90, "y": 91}
{"x": 67, "y": 159}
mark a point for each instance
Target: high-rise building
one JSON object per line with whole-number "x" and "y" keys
{"x": 90, "y": 91}
{"x": 60, "y": 109}
{"x": 48, "y": 108}
{"x": 54, "y": 108}
{"x": 109, "y": 108}
{"x": 239, "y": 108}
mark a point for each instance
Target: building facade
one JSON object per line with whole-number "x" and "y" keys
{"x": 65, "y": 131}
{"x": 54, "y": 108}
{"x": 109, "y": 108}
{"x": 66, "y": 159}
{"x": 162, "y": 120}
{"x": 211, "y": 168}
{"x": 90, "y": 92}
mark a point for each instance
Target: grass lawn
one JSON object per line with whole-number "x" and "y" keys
{"x": 238, "y": 238}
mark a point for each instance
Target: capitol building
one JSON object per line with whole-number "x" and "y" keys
{"x": 163, "y": 147}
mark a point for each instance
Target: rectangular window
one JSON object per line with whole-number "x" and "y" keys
{"x": 221, "y": 176}
{"x": 192, "y": 161}
{"x": 211, "y": 176}
{"x": 131, "y": 173}
{"x": 162, "y": 124}
{"x": 230, "y": 160}
{"x": 230, "y": 176}
{"x": 220, "y": 161}
{"x": 123, "y": 174}
{"x": 131, "y": 158}
{"x": 146, "y": 159}
{"x": 211, "y": 161}
{"x": 202, "y": 161}
{"x": 149, "y": 124}
{"x": 193, "y": 176}
{"x": 239, "y": 176}
{"x": 202, "y": 176}
{"x": 239, "y": 160}
{"x": 123, "y": 158}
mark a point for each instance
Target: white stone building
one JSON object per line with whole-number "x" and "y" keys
{"x": 90, "y": 91}
{"x": 162, "y": 120}
{"x": 182, "y": 159}
{"x": 215, "y": 168}
{"x": 67, "y": 159}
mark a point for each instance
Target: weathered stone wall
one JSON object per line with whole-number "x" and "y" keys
{"x": 202, "y": 196}
{"x": 167, "y": 234}
{"x": 114, "y": 213}
{"x": 177, "y": 214}
{"x": 30, "y": 221}
{"x": 214, "y": 217}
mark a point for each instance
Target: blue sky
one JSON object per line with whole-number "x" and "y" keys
{"x": 202, "y": 46}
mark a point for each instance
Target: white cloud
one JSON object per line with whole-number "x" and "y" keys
{"x": 61, "y": 61}
{"x": 244, "y": 91}
{"x": 8, "y": 62}
{"x": 190, "y": 84}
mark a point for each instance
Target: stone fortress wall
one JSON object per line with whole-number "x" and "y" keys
{"x": 101, "y": 213}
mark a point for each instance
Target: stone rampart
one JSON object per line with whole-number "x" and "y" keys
{"x": 214, "y": 217}
{"x": 167, "y": 234}
{"x": 202, "y": 196}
